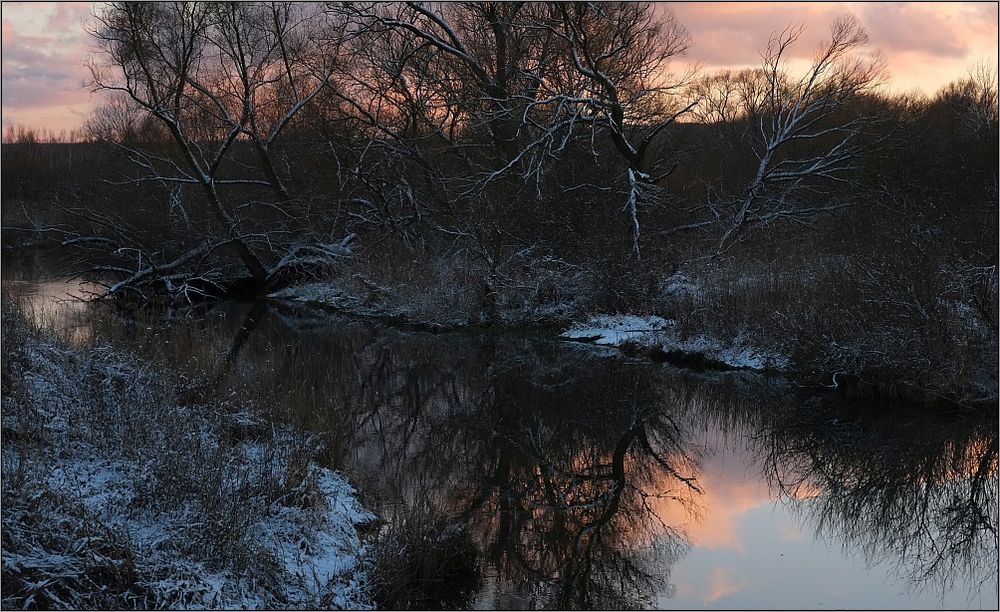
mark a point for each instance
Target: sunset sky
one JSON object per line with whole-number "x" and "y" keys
{"x": 926, "y": 45}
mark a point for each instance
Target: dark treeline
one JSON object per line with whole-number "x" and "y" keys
{"x": 530, "y": 163}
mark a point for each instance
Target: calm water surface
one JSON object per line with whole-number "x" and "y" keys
{"x": 587, "y": 480}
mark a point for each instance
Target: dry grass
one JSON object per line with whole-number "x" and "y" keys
{"x": 424, "y": 561}
{"x": 117, "y": 493}
{"x": 881, "y": 325}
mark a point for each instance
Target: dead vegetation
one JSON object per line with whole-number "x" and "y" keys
{"x": 116, "y": 494}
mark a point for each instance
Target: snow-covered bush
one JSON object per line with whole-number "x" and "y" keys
{"x": 118, "y": 494}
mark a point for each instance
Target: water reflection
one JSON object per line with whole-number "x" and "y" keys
{"x": 584, "y": 480}
{"x": 914, "y": 488}
{"x": 574, "y": 464}
{"x": 550, "y": 462}
{"x": 579, "y": 476}
{"x": 50, "y": 302}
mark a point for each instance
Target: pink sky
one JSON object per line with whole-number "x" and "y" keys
{"x": 926, "y": 46}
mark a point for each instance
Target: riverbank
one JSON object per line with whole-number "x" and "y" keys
{"x": 125, "y": 487}
{"x": 827, "y": 324}
{"x": 832, "y": 322}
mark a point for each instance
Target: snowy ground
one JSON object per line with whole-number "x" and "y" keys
{"x": 440, "y": 293}
{"x": 379, "y": 304}
{"x": 115, "y": 494}
{"x": 601, "y": 330}
{"x": 656, "y": 332}
{"x": 321, "y": 293}
{"x": 318, "y": 553}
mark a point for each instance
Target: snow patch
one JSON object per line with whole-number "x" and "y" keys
{"x": 615, "y": 330}
{"x": 679, "y": 286}
{"x": 321, "y": 293}
{"x": 321, "y": 554}
{"x": 656, "y": 332}
{"x": 334, "y": 296}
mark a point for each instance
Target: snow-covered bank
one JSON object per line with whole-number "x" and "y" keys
{"x": 327, "y": 294}
{"x": 444, "y": 293}
{"x": 652, "y": 332}
{"x": 378, "y": 303}
{"x": 117, "y": 493}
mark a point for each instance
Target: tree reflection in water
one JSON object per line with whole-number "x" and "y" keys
{"x": 552, "y": 459}
{"x": 549, "y": 463}
{"x": 565, "y": 515}
{"x": 915, "y": 488}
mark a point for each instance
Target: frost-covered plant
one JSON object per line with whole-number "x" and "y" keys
{"x": 117, "y": 494}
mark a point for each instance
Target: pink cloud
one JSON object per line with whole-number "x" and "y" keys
{"x": 723, "y": 584}
{"x": 735, "y": 33}
{"x": 948, "y": 31}
{"x": 70, "y": 16}
{"x": 926, "y": 45}
{"x": 44, "y": 48}
{"x": 8, "y": 32}
{"x": 947, "y": 37}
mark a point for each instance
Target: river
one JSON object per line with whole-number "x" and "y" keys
{"x": 581, "y": 478}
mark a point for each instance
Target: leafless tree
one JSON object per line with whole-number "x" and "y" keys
{"x": 213, "y": 75}
{"x": 975, "y": 97}
{"x": 534, "y": 77}
{"x": 458, "y": 131}
{"x": 811, "y": 136}
{"x": 622, "y": 52}
{"x": 450, "y": 74}
{"x": 735, "y": 98}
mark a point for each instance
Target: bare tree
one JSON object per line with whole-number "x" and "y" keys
{"x": 213, "y": 75}
{"x": 459, "y": 124}
{"x": 535, "y": 77}
{"x": 466, "y": 80}
{"x": 622, "y": 51}
{"x": 975, "y": 98}
{"x": 812, "y": 135}
{"x": 732, "y": 99}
